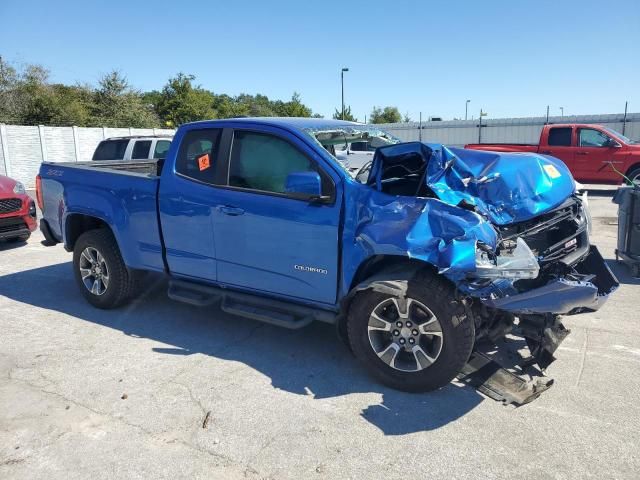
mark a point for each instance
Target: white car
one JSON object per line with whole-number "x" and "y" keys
{"x": 132, "y": 148}
{"x": 356, "y": 155}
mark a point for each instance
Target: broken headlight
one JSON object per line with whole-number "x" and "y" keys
{"x": 517, "y": 262}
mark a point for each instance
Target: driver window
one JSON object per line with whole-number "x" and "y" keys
{"x": 592, "y": 138}
{"x": 262, "y": 162}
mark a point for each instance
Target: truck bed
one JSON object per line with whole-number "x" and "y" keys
{"x": 504, "y": 147}
{"x": 122, "y": 194}
{"x": 148, "y": 168}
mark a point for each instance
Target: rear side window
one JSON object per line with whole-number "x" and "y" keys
{"x": 560, "y": 137}
{"x": 198, "y": 154}
{"x": 162, "y": 147}
{"x": 262, "y": 162}
{"x": 141, "y": 149}
{"x": 111, "y": 150}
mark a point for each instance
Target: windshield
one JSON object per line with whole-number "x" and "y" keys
{"x": 336, "y": 138}
{"x": 619, "y": 135}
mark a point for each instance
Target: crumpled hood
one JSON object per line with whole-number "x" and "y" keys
{"x": 505, "y": 187}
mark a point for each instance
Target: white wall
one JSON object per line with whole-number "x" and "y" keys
{"x": 23, "y": 148}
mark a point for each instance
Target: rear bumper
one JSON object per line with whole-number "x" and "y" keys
{"x": 585, "y": 291}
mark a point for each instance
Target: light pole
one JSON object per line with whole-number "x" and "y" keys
{"x": 466, "y": 108}
{"x": 562, "y": 112}
{"x": 342, "y": 84}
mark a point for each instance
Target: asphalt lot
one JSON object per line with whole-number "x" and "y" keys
{"x": 97, "y": 394}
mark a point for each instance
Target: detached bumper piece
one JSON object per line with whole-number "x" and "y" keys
{"x": 585, "y": 289}
{"x": 490, "y": 378}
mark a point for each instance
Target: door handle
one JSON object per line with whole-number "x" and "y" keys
{"x": 582, "y": 153}
{"x": 229, "y": 210}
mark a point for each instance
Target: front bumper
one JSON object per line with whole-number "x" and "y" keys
{"x": 586, "y": 290}
{"x": 21, "y": 222}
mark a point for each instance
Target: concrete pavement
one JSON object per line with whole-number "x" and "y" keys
{"x": 97, "y": 394}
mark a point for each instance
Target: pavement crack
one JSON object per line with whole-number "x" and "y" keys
{"x": 585, "y": 346}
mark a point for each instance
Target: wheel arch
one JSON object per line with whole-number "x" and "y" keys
{"x": 78, "y": 223}
{"x": 375, "y": 269}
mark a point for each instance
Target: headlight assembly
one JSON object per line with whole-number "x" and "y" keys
{"x": 19, "y": 189}
{"x": 518, "y": 263}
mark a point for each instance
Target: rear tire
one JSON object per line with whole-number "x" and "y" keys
{"x": 424, "y": 361}
{"x": 99, "y": 270}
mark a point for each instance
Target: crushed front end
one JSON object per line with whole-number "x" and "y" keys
{"x": 557, "y": 272}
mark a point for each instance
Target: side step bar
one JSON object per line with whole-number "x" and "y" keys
{"x": 275, "y": 312}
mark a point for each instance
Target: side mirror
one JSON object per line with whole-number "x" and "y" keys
{"x": 305, "y": 185}
{"x": 613, "y": 144}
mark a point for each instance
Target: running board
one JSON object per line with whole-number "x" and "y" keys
{"x": 489, "y": 377}
{"x": 267, "y": 310}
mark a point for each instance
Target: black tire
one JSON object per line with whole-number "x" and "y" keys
{"x": 634, "y": 175}
{"x": 21, "y": 238}
{"x": 457, "y": 327}
{"x": 120, "y": 284}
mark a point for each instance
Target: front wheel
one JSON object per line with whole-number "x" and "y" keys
{"x": 417, "y": 340}
{"x": 634, "y": 176}
{"x": 100, "y": 271}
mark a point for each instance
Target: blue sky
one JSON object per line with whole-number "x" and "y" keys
{"x": 511, "y": 58}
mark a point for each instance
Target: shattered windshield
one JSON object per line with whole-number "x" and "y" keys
{"x": 336, "y": 139}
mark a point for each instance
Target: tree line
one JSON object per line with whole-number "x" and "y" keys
{"x": 28, "y": 97}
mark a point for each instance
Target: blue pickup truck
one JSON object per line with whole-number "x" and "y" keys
{"x": 422, "y": 253}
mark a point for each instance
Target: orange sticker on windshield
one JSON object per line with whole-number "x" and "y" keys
{"x": 203, "y": 162}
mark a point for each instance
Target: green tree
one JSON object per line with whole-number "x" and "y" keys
{"x": 181, "y": 102}
{"x": 293, "y": 108}
{"x": 406, "y": 118}
{"x": 10, "y": 101}
{"x": 116, "y": 104}
{"x": 386, "y": 115}
{"x": 337, "y": 115}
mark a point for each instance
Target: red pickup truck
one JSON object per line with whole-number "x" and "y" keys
{"x": 589, "y": 151}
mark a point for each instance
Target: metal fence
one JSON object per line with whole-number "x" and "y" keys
{"x": 22, "y": 148}
{"x": 504, "y": 130}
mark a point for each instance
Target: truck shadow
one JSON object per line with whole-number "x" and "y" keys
{"x": 311, "y": 361}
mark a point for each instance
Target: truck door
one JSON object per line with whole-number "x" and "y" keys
{"x": 559, "y": 145}
{"x": 187, "y": 203}
{"x": 595, "y": 153}
{"x": 266, "y": 239}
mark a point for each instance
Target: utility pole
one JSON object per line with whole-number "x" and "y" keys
{"x": 466, "y": 108}
{"x": 624, "y": 119}
{"x": 547, "y": 120}
{"x": 482, "y": 114}
{"x": 420, "y": 127}
{"x": 562, "y": 112}
{"x": 342, "y": 84}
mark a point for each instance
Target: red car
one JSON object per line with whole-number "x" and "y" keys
{"x": 590, "y": 151}
{"x": 17, "y": 211}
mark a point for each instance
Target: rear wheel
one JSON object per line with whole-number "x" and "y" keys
{"x": 100, "y": 271}
{"x": 416, "y": 340}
